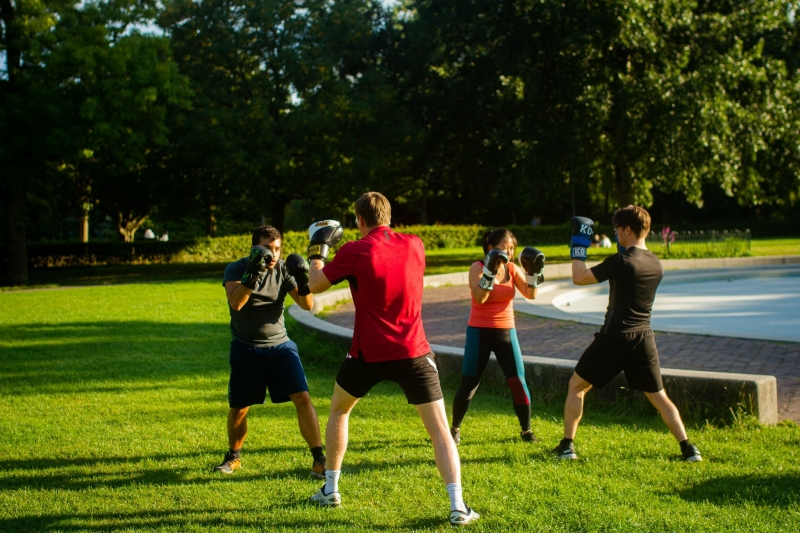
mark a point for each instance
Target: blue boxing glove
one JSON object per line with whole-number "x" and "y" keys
{"x": 582, "y": 234}
{"x": 620, "y": 249}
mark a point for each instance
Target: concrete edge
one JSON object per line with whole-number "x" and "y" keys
{"x": 564, "y": 270}
{"x": 686, "y": 387}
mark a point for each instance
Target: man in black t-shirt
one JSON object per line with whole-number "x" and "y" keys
{"x": 262, "y": 357}
{"x": 625, "y": 343}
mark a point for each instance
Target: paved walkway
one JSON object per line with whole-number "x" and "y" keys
{"x": 445, "y": 311}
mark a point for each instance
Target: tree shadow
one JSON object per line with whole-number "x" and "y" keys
{"x": 781, "y": 490}
{"x": 233, "y": 517}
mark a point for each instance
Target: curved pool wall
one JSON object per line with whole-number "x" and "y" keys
{"x": 752, "y": 303}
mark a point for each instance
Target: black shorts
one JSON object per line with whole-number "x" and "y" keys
{"x": 418, "y": 377}
{"x": 634, "y": 353}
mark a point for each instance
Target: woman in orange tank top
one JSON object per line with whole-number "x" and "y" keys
{"x": 493, "y": 284}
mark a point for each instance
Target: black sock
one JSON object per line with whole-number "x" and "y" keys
{"x": 235, "y": 453}
{"x": 524, "y": 416}
{"x": 317, "y": 454}
{"x": 565, "y": 441}
{"x": 685, "y": 444}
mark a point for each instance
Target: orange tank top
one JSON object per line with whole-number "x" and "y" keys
{"x": 498, "y": 311}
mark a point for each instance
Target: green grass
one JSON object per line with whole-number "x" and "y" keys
{"x": 763, "y": 247}
{"x": 112, "y": 414}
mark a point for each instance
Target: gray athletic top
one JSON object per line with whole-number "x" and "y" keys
{"x": 260, "y": 322}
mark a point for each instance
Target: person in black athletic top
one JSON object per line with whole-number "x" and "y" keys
{"x": 625, "y": 343}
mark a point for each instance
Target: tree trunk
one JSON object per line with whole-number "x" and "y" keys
{"x": 84, "y": 224}
{"x": 127, "y": 226}
{"x": 16, "y": 240}
{"x": 278, "y": 211}
{"x": 622, "y": 181}
{"x": 211, "y": 221}
{"x": 14, "y": 193}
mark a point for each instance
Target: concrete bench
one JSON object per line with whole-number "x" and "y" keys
{"x": 715, "y": 393}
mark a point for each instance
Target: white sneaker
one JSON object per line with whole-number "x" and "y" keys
{"x": 462, "y": 518}
{"x": 334, "y": 499}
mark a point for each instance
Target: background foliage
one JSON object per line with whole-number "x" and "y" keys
{"x": 209, "y": 117}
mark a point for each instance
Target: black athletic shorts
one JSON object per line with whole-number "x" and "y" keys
{"x": 634, "y": 353}
{"x": 418, "y": 377}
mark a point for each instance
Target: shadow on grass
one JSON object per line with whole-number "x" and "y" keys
{"x": 88, "y": 473}
{"x": 230, "y": 518}
{"x": 77, "y": 355}
{"x": 766, "y": 490}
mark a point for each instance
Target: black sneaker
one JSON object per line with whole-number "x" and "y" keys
{"x": 691, "y": 454}
{"x": 229, "y": 464}
{"x": 528, "y": 436}
{"x": 318, "y": 468}
{"x": 565, "y": 451}
{"x": 456, "y": 434}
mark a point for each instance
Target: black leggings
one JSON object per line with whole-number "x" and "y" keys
{"x": 480, "y": 343}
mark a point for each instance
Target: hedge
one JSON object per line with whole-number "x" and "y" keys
{"x": 230, "y": 248}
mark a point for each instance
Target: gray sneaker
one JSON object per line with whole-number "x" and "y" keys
{"x": 456, "y": 434}
{"x": 334, "y": 499}
{"x": 691, "y": 454}
{"x": 462, "y": 518}
{"x": 565, "y": 451}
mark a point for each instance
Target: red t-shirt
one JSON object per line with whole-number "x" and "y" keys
{"x": 498, "y": 310}
{"x": 385, "y": 272}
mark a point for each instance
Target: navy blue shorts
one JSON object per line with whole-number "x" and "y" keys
{"x": 254, "y": 370}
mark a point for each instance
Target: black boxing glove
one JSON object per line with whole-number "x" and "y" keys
{"x": 582, "y": 233}
{"x": 491, "y": 264}
{"x": 298, "y": 269}
{"x": 532, "y": 262}
{"x": 323, "y": 236}
{"x": 256, "y": 266}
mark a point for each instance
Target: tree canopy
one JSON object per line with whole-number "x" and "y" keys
{"x": 479, "y": 111}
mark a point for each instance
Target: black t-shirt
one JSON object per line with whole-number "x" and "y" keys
{"x": 633, "y": 279}
{"x": 260, "y": 322}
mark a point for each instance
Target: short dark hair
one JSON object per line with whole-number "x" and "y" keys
{"x": 634, "y": 217}
{"x": 265, "y": 231}
{"x": 493, "y": 238}
{"x": 375, "y": 209}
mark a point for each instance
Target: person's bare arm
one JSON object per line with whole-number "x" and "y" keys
{"x": 479, "y": 294}
{"x": 521, "y": 282}
{"x": 317, "y": 281}
{"x": 581, "y": 275}
{"x": 238, "y": 294}
{"x": 305, "y": 302}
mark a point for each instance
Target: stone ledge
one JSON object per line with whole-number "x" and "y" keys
{"x": 564, "y": 270}
{"x": 715, "y": 392}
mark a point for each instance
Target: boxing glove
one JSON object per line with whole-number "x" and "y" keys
{"x": 323, "y": 235}
{"x": 532, "y": 262}
{"x": 298, "y": 269}
{"x": 582, "y": 233}
{"x": 256, "y": 266}
{"x": 491, "y": 264}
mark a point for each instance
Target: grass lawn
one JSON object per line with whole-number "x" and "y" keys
{"x": 439, "y": 261}
{"x": 112, "y": 414}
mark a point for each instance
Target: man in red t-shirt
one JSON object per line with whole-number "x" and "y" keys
{"x": 385, "y": 271}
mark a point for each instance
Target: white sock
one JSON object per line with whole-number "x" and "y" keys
{"x": 456, "y": 500}
{"x": 332, "y": 481}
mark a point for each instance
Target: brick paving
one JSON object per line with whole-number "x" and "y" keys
{"x": 445, "y": 311}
